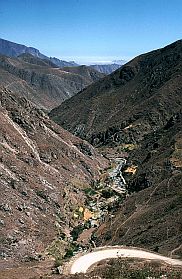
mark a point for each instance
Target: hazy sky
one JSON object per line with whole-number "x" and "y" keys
{"x": 91, "y": 30}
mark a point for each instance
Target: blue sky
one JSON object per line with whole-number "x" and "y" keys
{"x": 91, "y": 30}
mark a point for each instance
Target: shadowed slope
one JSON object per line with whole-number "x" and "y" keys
{"x": 131, "y": 102}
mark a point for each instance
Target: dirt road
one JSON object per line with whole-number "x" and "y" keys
{"x": 84, "y": 262}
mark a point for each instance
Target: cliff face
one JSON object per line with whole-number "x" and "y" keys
{"x": 136, "y": 99}
{"x": 43, "y": 173}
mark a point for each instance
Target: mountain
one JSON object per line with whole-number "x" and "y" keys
{"x": 13, "y": 50}
{"x": 85, "y": 71}
{"x": 107, "y": 68}
{"x": 29, "y": 58}
{"x": 136, "y": 113}
{"x": 138, "y": 98}
{"x": 62, "y": 63}
{"x": 41, "y": 82}
{"x": 44, "y": 171}
{"x": 138, "y": 110}
{"x": 119, "y": 62}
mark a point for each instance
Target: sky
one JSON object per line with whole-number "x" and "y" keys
{"x": 89, "y": 31}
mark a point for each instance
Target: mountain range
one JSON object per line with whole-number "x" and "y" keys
{"x": 13, "y": 50}
{"x": 43, "y": 82}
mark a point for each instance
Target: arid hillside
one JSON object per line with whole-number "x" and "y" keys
{"x": 136, "y": 99}
{"x": 85, "y": 71}
{"x": 43, "y": 173}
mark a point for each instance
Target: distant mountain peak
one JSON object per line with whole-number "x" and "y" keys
{"x": 63, "y": 63}
{"x": 119, "y": 62}
{"x": 12, "y": 49}
{"x": 108, "y": 68}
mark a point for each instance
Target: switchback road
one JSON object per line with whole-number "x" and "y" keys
{"x": 83, "y": 263}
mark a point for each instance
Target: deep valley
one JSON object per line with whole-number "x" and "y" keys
{"x": 90, "y": 161}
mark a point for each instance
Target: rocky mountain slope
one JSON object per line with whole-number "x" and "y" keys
{"x": 13, "y": 50}
{"x": 41, "y": 82}
{"x": 85, "y": 71}
{"x": 43, "y": 173}
{"x": 136, "y": 99}
{"x": 29, "y": 58}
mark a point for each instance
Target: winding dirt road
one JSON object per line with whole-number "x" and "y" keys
{"x": 83, "y": 263}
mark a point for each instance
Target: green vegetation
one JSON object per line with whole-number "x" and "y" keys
{"x": 69, "y": 254}
{"x": 107, "y": 193}
{"x": 76, "y": 232}
{"x": 58, "y": 262}
{"x": 89, "y": 191}
{"x": 70, "y": 251}
{"x": 42, "y": 195}
{"x": 126, "y": 147}
{"x": 57, "y": 249}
